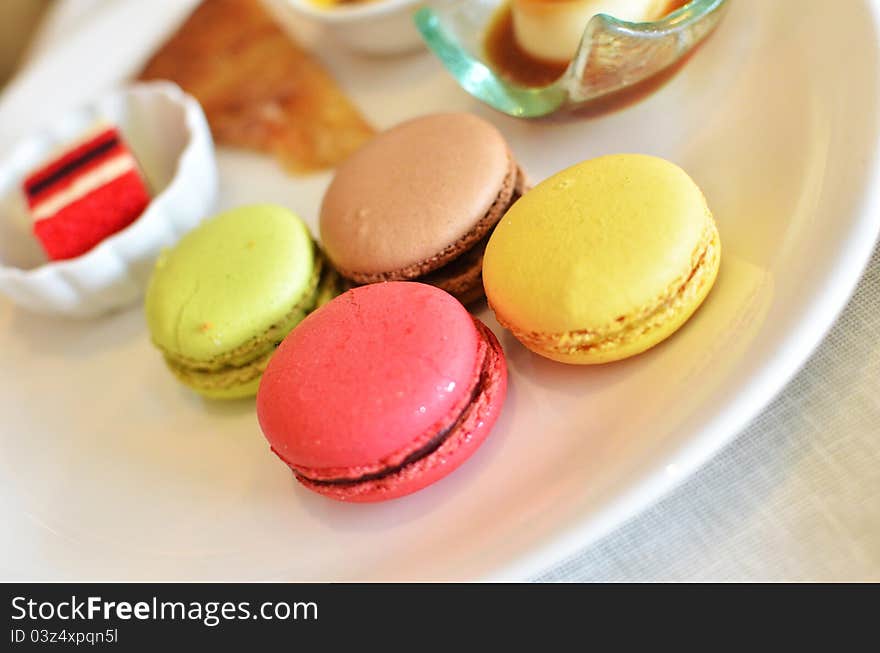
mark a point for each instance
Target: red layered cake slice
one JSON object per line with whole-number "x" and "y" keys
{"x": 87, "y": 193}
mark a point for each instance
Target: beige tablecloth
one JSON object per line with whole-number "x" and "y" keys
{"x": 795, "y": 497}
{"x": 17, "y": 20}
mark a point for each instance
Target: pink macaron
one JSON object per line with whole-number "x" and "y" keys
{"x": 381, "y": 392}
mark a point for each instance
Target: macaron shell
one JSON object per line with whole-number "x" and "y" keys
{"x": 240, "y": 391}
{"x": 595, "y": 244}
{"x": 224, "y": 383}
{"x": 229, "y": 281}
{"x": 363, "y": 377}
{"x": 412, "y": 191}
{"x": 469, "y": 435}
{"x": 650, "y": 331}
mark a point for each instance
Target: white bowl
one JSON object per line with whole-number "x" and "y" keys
{"x": 381, "y": 27}
{"x": 167, "y": 131}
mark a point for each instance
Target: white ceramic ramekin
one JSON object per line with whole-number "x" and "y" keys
{"x": 382, "y": 27}
{"x": 167, "y": 131}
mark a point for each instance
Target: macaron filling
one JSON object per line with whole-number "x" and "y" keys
{"x": 422, "y": 452}
{"x": 247, "y": 362}
{"x": 431, "y": 448}
{"x": 457, "y": 268}
{"x": 462, "y": 277}
{"x": 679, "y": 298}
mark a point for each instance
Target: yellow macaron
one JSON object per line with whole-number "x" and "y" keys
{"x": 603, "y": 260}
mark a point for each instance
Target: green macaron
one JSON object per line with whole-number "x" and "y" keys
{"x": 220, "y": 302}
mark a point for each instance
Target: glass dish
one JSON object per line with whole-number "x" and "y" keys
{"x": 617, "y": 62}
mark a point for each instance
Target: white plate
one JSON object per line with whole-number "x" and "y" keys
{"x": 110, "y": 470}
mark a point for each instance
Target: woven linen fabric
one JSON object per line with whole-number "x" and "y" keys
{"x": 796, "y": 497}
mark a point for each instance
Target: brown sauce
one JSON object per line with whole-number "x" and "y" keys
{"x": 509, "y": 59}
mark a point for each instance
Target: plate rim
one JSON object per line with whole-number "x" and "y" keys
{"x": 831, "y": 296}
{"x": 724, "y": 428}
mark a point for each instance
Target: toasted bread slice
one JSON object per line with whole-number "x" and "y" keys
{"x": 258, "y": 88}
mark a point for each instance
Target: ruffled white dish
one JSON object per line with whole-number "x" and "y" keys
{"x": 167, "y": 131}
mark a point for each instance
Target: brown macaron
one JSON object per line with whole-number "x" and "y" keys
{"x": 419, "y": 202}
